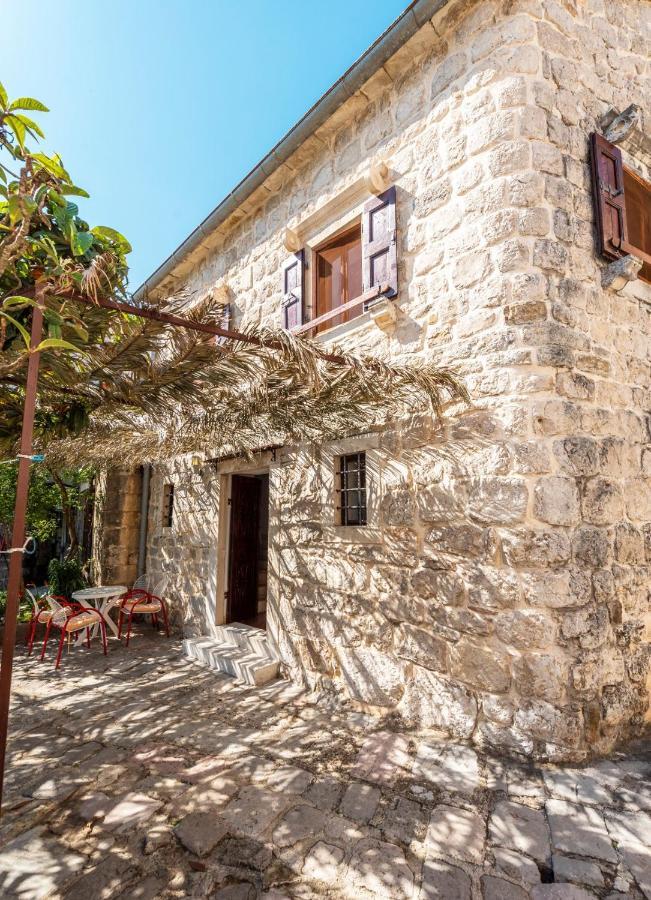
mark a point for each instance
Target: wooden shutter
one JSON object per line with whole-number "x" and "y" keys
{"x": 293, "y": 278}
{"x": 608, "y": 190}
{"x": 379, "y": 259}
{"x": 224, "y": 322}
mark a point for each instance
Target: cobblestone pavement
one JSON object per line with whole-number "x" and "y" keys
{"x": 141, "y": 776}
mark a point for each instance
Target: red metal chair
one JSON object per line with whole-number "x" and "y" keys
{"x": 41, "y": 613}
{"x": 70, "y": 619}
{"x": 141, "y": 601}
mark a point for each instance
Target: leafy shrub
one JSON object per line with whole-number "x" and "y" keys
{"x": 24, "y": 608}
{"x": 65, "y": 577}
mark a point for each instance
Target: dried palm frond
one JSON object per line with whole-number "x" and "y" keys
{"x": 193, "y": 396}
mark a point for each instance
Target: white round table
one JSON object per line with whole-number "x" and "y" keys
{"x": 103, "y": 599}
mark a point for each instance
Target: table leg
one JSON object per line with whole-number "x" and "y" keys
{"x": 105, "y": 608}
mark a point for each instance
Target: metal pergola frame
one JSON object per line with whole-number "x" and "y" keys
{"x": 22, "y": 486}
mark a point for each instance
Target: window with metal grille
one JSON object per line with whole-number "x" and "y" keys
{"x": 168, "y": 505}
{"x": 351, "y": 489}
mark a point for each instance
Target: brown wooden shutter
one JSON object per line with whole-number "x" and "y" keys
{"x": 379, "y": 258}
{"x": 608, "y": 190}
{"x": 224, "y": 322}
{"x": 293, "y": 279}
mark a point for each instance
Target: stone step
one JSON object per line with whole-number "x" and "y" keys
{"x": 243, "y": 656}
{"x": 244, "y": 636}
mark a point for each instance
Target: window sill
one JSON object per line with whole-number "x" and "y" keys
{"x": 343, "y": 328}
{"x": 351, "y": 534}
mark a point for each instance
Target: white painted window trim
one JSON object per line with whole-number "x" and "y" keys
{"x": 371, "y": 533}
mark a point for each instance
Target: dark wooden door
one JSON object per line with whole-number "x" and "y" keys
{"x": 243, "y": 548}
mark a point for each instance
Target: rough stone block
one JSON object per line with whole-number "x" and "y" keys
{"x": 579, "y": 829}
{"x": 479, "y": 666}
{"x": 200, "y": 832}
{"x": 520, "y": 828}
{"x": 323, "y": 862}
{"x": 381, "y": 868}
{"x": 360, "y": 802}
{"x": 370, "y": 676}
{"x": 422, "y": 647}
{"x": 516, "y": 865}
{"x": 498, "y": 500}
{"x": 443, "y": 881}
{"x": 456, "y": 832}
{"x": 498, "y": 889}
{"x": 298, "y": 824}
{"x": 539, "y": 547}
{"x": 525, "y": 629}
{"x": 602, "y": 502}
{"x": 434, "y": 702}
{"x": 578, "y": 870}
{"x": 448, "y": 768}
{"x": 556, "y": 500}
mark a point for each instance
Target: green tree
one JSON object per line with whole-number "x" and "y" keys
{"x": 42, "y": 505}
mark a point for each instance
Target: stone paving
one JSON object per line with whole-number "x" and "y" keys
{"x": 141, "y": 775}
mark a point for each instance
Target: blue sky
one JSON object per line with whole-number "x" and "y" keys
{"x": 159, "y": 107}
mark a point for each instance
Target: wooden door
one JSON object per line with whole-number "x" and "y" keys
{"x": 243, "y": 548}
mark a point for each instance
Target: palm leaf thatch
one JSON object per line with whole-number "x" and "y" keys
{"x": 160, "y": 391}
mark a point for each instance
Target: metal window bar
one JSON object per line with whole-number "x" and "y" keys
{"x": 352, "y": 489}
{"x": 168, "y": 505}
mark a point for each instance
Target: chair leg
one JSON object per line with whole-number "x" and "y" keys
{"x": 88, "y": 638}
{"x": 102, "y": 628}
{"x": 165, "y": 619}
{"x": 129, "y": 628}
{"x": 154, "y": 620}
{"x": 61, "y": 642}
{"x": 45, "y": 640}
{"x": 31, "y": 635}
{"x": 120, "y": 618}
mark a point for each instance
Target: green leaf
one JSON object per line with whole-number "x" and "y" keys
{"x": 28, "y": 103}
{"x": 18, "y": 129}
{"x": 73, "y": 191}
{"x": 31, "y": 126}
{"x": 81, "y": 242}
{"x": 3, "y": 175}
{"x": 57, "y": 344}
{"x": 110, "y": 234}
{"x": 23, "y": 331}
{"x": 50, "y": 165}
{"x": 52, "y": 317}
{"x": 14, "y": 208}
{"x": 3, "y": 96}
{"x": 17, "y": 301}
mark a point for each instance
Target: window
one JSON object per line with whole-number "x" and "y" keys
{"x": 351, "y": 489}
{"x": 338, "y": 276}
{"x": 637, "y": 194}
{"x": 622, "y": 206}
{"x": 350, "y": 270}
{"x": 168, "y": 505}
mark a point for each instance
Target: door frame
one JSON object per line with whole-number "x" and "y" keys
{"x": 226, "y": 469}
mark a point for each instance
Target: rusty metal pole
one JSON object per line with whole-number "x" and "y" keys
{"x": 18, "y": 536}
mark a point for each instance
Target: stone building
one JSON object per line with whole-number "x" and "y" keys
{"x": 490, "y": 580}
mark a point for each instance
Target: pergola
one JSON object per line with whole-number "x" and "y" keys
{"x": 25, "y": 457}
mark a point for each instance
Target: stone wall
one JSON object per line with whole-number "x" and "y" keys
{"x": 502, "y": 595}
{"x": 116, "y": 526}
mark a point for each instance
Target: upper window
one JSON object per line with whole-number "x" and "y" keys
{"x": 637, "y": 197}
{"x": 168, "y": 505}
{"x": 351, "y": 489}
{"x": 622, "y": 206}
{"x": 338, "y": 276}
{"x": 350, "y": 270}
